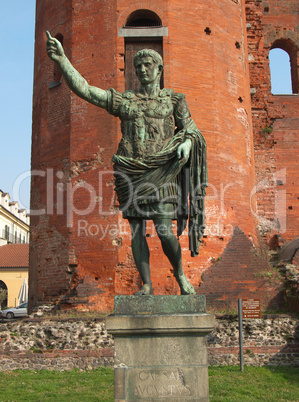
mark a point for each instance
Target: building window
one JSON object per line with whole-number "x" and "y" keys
{"x": 132, "y": 47}
{"x": 284, "y": 67}
{"x": 3, "y": 295}
{"x": 6, "y": 233}
{"x": 143, "y": 19}
{"x": 143, "y": 30}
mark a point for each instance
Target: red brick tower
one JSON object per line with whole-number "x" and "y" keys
{"x": 80, "y": 246}
{"x": 273, "y": 25}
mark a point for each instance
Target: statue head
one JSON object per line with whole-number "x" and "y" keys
{"x": 149, "y": 53}
{"x": 148, "y": 67}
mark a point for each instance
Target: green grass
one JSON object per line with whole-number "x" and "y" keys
{"x": 24, "y": 385}
{"x": 226, "y": 384}
{"x": 254, "y": 384}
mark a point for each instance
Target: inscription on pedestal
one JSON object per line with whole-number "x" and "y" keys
{"x": 163, "y": 383}
{"x": 160, "y": 384}
{"x": 160, "y": 356}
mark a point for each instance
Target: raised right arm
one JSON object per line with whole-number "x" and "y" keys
{"x": 73, "y": 78}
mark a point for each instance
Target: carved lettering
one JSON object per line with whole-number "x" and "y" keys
{"x": 172, "y": 376}
{"x": 184, "y": 390}
{"x": 161, "y": 383}
{"x": 139, "y": 390}
{"x": 143, "y": 375}
{"x": 151, "y": 391}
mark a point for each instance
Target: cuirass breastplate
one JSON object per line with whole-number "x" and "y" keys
{"x": 146, "y": 123}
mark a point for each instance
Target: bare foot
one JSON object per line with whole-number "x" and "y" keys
{"x": 185, "y": 285}
{"x": 145, "y": 290}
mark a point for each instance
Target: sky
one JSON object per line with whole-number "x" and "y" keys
{"x": 17, "y": 19}
{"x": 280, "y": 67}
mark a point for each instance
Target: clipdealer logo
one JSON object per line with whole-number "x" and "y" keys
{"x": 61, "y": 200}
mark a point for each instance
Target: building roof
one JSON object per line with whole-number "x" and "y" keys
{"x": 14, "y": 255}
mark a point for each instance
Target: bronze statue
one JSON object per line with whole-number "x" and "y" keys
{"x": 160, "y": 166}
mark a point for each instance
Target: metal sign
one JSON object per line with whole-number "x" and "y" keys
{"x": 251, "y": 308}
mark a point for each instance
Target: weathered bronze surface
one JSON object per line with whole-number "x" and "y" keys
{"x": 163, "y": 305}
{"x": 160, "y": 165}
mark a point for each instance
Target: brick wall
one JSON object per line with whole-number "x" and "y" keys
{"x": 72, "y": 142}
{"x": 275, "y": 117}
{"x": 241, "y": 273}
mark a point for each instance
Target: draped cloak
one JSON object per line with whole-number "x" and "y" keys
{"x": 147, "y": 174}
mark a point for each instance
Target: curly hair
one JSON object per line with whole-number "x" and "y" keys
{"x": 148, "y": 53}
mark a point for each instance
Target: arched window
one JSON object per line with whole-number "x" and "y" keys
{"x": 143, "y": 19}
{"x": 3, "y": 295}
{"x": 283, "y": 67}
{"x": 57, "y": 76}
{"x": 143, "y": 30}
{"x": 281, "y": 81}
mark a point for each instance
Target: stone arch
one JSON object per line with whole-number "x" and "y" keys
{"x": 288, "y": 41}
{"x": 280, "y": 71}
{"x": 142, "y": 6}
{"x": 143, "y": 18}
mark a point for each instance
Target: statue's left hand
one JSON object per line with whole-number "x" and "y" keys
{"x": 183, "y": 151}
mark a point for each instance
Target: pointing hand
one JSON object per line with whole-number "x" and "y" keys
{"x": 54, "y": 48}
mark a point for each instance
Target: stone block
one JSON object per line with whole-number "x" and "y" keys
{"x": 149, "y": 305}
{"x": 160, "y": 356}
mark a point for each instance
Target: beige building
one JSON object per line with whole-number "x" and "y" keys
{"x": 14, "y": 249}
{"x": 14, "y": 265}
{"x": 14, "y": 222}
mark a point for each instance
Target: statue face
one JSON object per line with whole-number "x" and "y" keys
{"x": 147, "y": 70}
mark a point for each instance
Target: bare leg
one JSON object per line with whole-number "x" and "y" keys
{"x": 172, "y": 250}
{"x": 141, "y": 255}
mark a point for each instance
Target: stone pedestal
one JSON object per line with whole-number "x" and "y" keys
{"x": 160, "y": 348}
